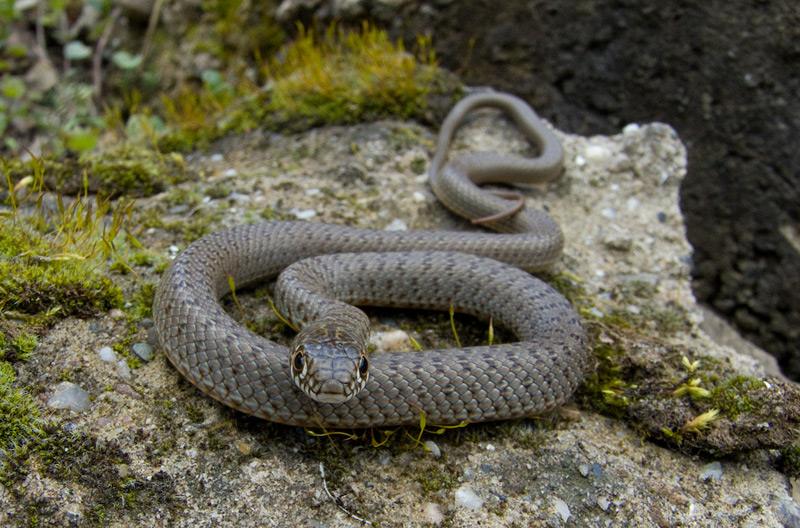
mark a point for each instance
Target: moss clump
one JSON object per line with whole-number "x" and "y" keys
{"x": 37, "y": 282}
{"x": 330, "y": 78}
{"x": 128, "y": 169}
{"x": 52, "y": 259}
{"x": 735, "y": 395}
{"x": 19, "y": 348}
{"x": 345, "y": 77}
{"x": 19, "y": 414}
{"x": 437, "y": 480}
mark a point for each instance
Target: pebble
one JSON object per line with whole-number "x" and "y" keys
{"x": 418, "y": 197}
{"x": 143, "y": 350}
{"x": 116, "y": 313}
{"x": 432, "y": 513}
{"x": 432, "y": 448}
{"x": 230, "y": 173}
{"x": 466, "y": 498}
{"x": 178, "y": 209}
{"x": 123, "y": 370}
{"x": 95, "y": 327}
{"x": 596, "y": 153}
{"x": 146, "y": 322}
{"x": 396, "y": 225}
{"x": 69, "y": 396}
{"x": 604, "y": 503}
{"x": 126, "y": 390}
{"x": 216, "y": 157}
{"x": 608, "y": 212}
{"x": 562, "y": 509}
{"x": 631, "y": 129}
{"x": 107, "y": 354}
{"x": 302, "y": 214}
{"x": 712, "y": 471}
{"x": 393, "y": 341}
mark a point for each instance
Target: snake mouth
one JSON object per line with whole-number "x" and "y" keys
{"x": 331, "y": 397}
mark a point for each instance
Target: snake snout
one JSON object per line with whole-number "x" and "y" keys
{"x": 327, "y": 375}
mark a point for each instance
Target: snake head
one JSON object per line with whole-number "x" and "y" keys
{"x": 329, "y": 372}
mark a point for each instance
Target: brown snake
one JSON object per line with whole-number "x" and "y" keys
{"x": 418, "y": 269}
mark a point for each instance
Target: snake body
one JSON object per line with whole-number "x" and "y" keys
{"x": 478, "y": 273}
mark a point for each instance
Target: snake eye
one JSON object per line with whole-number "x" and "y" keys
{"x": 298, "y": 360}
{"x": 363, "y": 366}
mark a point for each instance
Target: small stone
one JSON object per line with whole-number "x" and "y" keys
{"x": 393, "y": 341}
{"x": 302, "y": 214}
{"x": 116, "y": 313}
{"x": 562, "y": 509}
{"x": 432, "y": 514}
{"x": 143, "y": 350}
{"x": 580, "y": 161}
{"x": 596, "y": 153}
{"x": 631, "y": 129}
{"x": 126, "y": 390}
{"x": 432, "y": 448}
{"x": 384, "y": 458}
{"x": 608, "y": 212}
{"x": 584, "y": 469}
{"x": 124, "y": 471}
{"x": 466, "y": 498}
{"x": 633, "y": 309}
{"x": 146, "y": 322}
{"x": 216, "y": 157}
{"x": 490, "y": 447}
{"x": 418, "y": 197}
{"x": 712, "y": 471}
{"x": 230, "y": 173}
{"x": 244, "y": 448}
{"x": 123, "y": 370}
{"x": 95, "y": 327}
{"x": 69, "y": 396}
{"x": 618, "y": 242}
{"x": 604, "y": 503}
{"x": 396, "y": 225}
{"x": 107, "y": 354}
{"x": 178, "y": 209}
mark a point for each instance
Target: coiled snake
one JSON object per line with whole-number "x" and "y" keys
{"x": 418, "y": 269}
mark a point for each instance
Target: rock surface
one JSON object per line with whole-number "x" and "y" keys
{"x": 199, "y": 463}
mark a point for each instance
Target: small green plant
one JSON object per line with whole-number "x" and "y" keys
{"x": 53, "y": 256}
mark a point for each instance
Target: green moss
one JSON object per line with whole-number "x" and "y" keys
{"x": 142, "y": 301}
{"x": 790, "y": 461}
{"x": 437, "y": 480}
{"x": 19, "y": 414}
{"x": 128, "y": 169}
{"x": 346, "y": 77}
{"x": 732, "y": 395}
{"x": 93, "y": 464}
{"x": 334, "y": 77}
{"x": 39, "y": 281}
{"x": 607, "y": 385}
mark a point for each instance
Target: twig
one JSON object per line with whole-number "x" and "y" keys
{"x": 151, "y": 27}
{"x": 97, "y": 60}
{"x": 336, "y": 501}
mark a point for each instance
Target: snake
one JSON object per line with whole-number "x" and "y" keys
{"x": 324, "y": 268}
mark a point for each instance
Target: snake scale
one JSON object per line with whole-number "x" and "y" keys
{"x": 477, "y": 272}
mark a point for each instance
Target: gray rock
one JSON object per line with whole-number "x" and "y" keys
{"x": 69, "y": 396}
{"x": 143, "y": 350}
